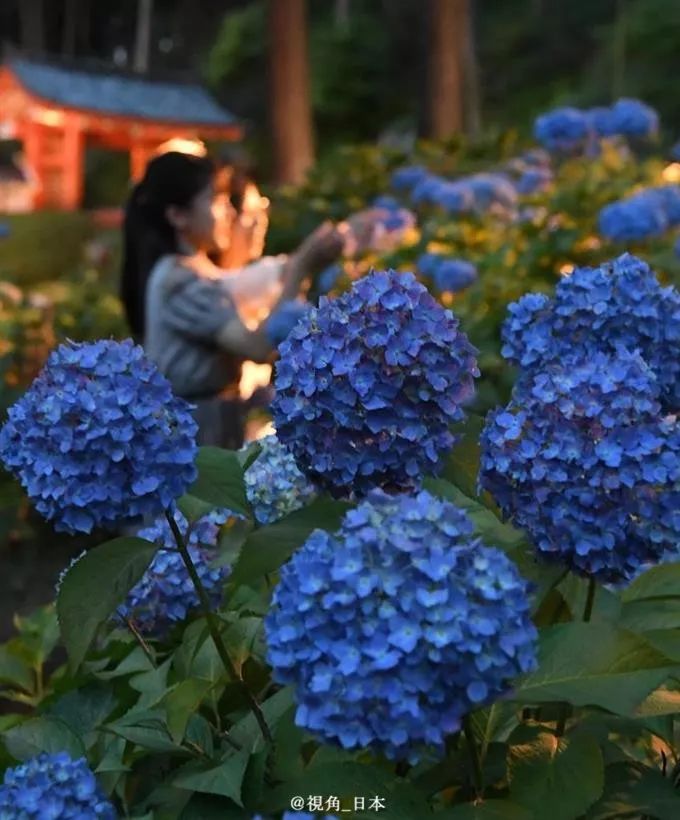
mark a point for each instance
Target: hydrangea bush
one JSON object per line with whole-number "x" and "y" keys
{"x": 228, "y": 717}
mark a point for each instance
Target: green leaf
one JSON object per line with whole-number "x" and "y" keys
{"x": 249, "y": 454}
{"x": 84, "y": 710}
{"x": 564, "y": 773}
{"x": 462, "y": 466}
{"x": 38, "y": 633}
{"x": 348, "y": 779}
{"x": 135, "y": 661}
{"x": 220, "y": 480}
{"x": 662, "y": 581}
{"x": 633, "y": 790}
{"x": 95, "y": 586}
{"x": 182, "y": 702}
{"x": 42, "y": 734}
{"x": 243, "y": 639}
{"x": 15, "y": 671}
{"x": 647, "y": 614}
{"x": 486, "y": 810}
{"x": 267, "y": 548}
{"x": 225, "y": 779}
{"x": 146, "y": 728}
{"x": 616, "y": 674}
{"x": 494, "y": 724}
{"x": 247, "y": 731}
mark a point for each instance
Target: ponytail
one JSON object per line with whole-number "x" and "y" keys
{"x": 170, "y": 179}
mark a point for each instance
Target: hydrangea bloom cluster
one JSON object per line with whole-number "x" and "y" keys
{"x": 284, "y": 319}
{"x": 446, "y": 274}
{"x": 563, "y": 129}
{"x": 534, "y": 180}
{"x": 368, "y": 384}
{"x": 53, "y": 786}
{"x": 586, "y": 462}
{"x": 627, "y": 118}
{"x": 479, "y": 193}
{"x": 165, "y": 594}
{"x": 275, "y": 486}
{"x": 398, "y": 625}
{"x": 405, "y": 179}
{"x": 99, "y": 438}
{"x": 619, "y": 304}
{"x": 649, "y": 213}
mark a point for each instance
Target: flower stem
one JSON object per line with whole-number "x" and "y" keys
{"x": 590, "y": 600}
{"x": 474, "y": 755}
{"x": 214, "y": 628}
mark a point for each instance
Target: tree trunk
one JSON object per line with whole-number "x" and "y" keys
{"x": 32, "y": 25}
{"x": 291, "y": 112}
{"x": 472, "y": 92}
{"x": 448, "y": 30}
{"x": 70, "y": 29}
{"x": 143, "y": 36}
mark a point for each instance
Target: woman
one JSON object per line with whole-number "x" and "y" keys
{"x": 195, "y": 320}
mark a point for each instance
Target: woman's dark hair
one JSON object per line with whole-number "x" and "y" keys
{"x": 170, "y": 179}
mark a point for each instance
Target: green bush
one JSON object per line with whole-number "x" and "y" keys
{"x": 43, "y": 246}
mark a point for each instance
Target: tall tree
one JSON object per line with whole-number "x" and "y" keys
{"x": 448, "y": 28}
{"x": 69, "y": 32}
{"x": 143, "y": 35}
{"x": 32, "y": 21}
{"x": 291, "y": 112}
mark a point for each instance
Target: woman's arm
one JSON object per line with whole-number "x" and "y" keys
{"x": 202, "y": 310}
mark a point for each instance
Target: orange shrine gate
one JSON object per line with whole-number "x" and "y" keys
{"x": 55, "y": 110}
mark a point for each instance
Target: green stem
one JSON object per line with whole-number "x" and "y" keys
{"x": 590, "y": 600}
{"x": 140, "y": 640}
{"x": 214, "y": 630}
{"x": 474, "y": 755}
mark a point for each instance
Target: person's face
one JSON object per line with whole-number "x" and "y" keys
{"x": 206, "y": 224}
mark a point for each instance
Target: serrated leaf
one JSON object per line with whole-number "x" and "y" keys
{"x": 267, "y": 548}
{"x": 225, "y": 779}
{"x": 564, "y": 773}
{"x": 146, "y": 728}
{"x": 182, "y": 702}
{"x": 42, "y": 734}
{"x": 617, "y": 674}
{"x": 85, "y": 709}
{"x": 93, "y": 588}
{"x": 135, "y": 661}
{"x": 220, "y": 480}
{"x": 15, "y": 671}
{"x": 494, "y": 724}
{"x": 247, "y": 731}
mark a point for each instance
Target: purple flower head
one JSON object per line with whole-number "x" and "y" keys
{"x": 585, "y": 461}
{"x": 51, "y": 787}
{"x": 368, "y": 384}
{"x": 395, "y": 627}
{"x": 99, "y": 438}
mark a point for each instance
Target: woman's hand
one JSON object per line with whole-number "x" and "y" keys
{"x": 360, "y": 228}
{"x": 320, "y": 248}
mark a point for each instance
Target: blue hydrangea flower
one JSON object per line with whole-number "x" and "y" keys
{"x": 563, "y": 129}
{"x": 395, "y": 627}
{"x": 165, "y": 595}
{"x": 534, "y": 180}
{"x": 404, "y": 179}
{"x": 284, "y": 319}
{"x": 446, "y": 274}
{"x": 52, "y": 787}
{"x": 619, "y": 304}
{"x": 99, "y": 438}
{"x": 492, "y": 190}
{"x": 328, "y": 278}
{"x": 584, "y": 459}
{"x": 628, "y": 118}
{"x": 275, "y": 486}
{"x": 636, "y": 218}
{"x": 368, "y": 384}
